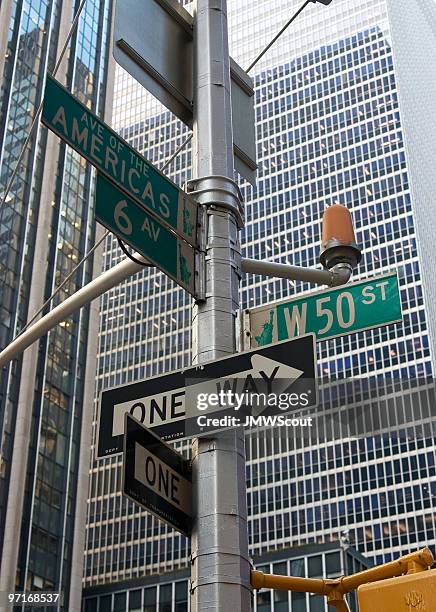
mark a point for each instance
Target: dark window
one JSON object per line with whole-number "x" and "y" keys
{"x": 181, "y": 596}
{"x": 165, "y": 598}
{"x": 91, "y": 605}
{"x": 135, "y": 601}
{"x": 264, "y": 601}
{"x": 105, "y": 604}
{"x": 316, "y": 603}
{"x": 120, "y": 602}
{"x": 150, "y": 600}
{"x": 297, "y": 568}
{"x": 298, "y": 602}
{"x": 315, "y": 566}
{"x": 333, "y": 563}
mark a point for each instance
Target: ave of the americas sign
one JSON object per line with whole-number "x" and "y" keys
{"x": 118, "y": 161}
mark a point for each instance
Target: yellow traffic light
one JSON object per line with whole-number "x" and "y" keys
{"x": 409, "y": 593}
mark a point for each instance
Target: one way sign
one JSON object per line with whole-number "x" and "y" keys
{"x": 157, "y": 477}
{"x": 272, "y": 380}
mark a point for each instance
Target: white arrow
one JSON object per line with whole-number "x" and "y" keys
{"x": 276, "y": 375}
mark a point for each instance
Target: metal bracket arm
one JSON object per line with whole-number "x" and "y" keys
{"x": 338, "y": 275}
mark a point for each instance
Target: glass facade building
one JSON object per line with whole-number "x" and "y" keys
{"x": 334, "y": 124}
{"x": 46, "y": 226}
{"x": 169, "y": 592}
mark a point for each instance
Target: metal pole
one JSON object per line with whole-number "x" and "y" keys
{"x": 333, "y": 278}
{"x": 220, "y": 564}
{"x": 83, "y": 296}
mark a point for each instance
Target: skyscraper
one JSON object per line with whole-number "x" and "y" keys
{"x": 46, "y": 226}
{"x": 335, "y": 122}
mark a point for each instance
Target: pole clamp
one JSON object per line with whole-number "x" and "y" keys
{"x": 216, "y": 550}
{"x": 220, "y": 579}
{"x": 219, "y": 191}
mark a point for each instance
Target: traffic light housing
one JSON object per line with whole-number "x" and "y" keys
{"x": 409, "y": 593}
{"x": 326, "y": 2}
{"x": 338, "y": 242}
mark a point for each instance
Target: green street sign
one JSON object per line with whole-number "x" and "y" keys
{"x": 118, "y": 161}
{"x": 144, "y": 233}
{"x": 328, "y": 314}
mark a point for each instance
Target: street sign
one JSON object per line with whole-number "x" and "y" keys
{"x": 328, "y": 314}
{"x": 175, "y": 257}
{"x": 153, "y": 41}
{"x": 171, "y": 405}
{"x": 118, "y": 161}
{"x": 156, "y": 477}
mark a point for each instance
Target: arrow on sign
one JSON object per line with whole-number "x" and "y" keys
{"x": 265, "y": 376}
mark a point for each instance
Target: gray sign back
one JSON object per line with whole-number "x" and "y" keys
{"x": 153, "y": 41}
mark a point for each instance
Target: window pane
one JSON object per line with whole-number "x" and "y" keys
{"x": 298, "y": 602}
{"x": 297, "y": 567}
{"x": 105, "y": 604}
{"x": 315, "y": 566}
{"x": 120, "y": 602}
{"x": 264, "y": 601}
{"x": 150, "y": 600}
{"x": 280, "y": 568}
{"x": 135, "y": 601}
{"x": 333, "y": 563}
{"x": 165, "y": 598}
{"x": 316, "y": 603}
{"x": 181, "y": 589}
{"x": 91, "y": 605}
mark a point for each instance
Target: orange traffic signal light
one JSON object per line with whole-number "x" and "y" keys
{"x": 338, "y": 241}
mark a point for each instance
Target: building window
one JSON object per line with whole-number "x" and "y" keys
{"x": 135, "y": 601}
{"x": 181, "y": 597}
{"x": 91, "y": 605}
{"x": 120, "y": 602}
{"x": 105, "y": 604}
{"x": 150, "y": 600}
{"x": 165, "y": 598}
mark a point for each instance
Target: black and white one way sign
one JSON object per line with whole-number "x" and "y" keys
{"x": 195, "y": 401}
{"x": 157, "y": 477}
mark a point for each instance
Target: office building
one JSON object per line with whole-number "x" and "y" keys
{"x": 169, "y": 592}
{"x": 337, "y": 120}
{"x": 46, "y": 226}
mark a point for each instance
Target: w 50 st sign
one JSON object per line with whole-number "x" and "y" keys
{"x": 327, "y": 314}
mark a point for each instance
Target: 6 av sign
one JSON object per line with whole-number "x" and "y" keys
{"x": 118, "y": 161}
{"x": 144, "y": 233}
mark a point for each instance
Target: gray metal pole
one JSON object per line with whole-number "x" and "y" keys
{"x": 80, "y": 298}
{"x": 220, "y": 564}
